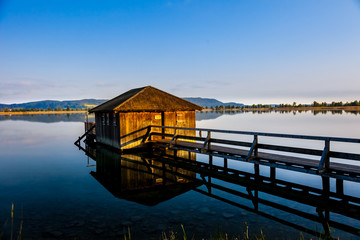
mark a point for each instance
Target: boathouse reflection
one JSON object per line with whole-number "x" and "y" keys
{"x": 141, "y": 179}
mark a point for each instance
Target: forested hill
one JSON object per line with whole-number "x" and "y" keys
{"x": 51, "y": 104}
{"x": 211, "y": 102}
{"x": 90, "y": 103}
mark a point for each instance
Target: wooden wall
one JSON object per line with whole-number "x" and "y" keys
{"x": 180, "y": 119}
{"x": 120, "y": 130}
{"x": 107, "y": 129}
{"x": 132, "y": 121}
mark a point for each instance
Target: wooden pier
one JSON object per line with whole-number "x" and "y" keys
{"x": 324, "y": 161}
{"x": 272, "y": 155}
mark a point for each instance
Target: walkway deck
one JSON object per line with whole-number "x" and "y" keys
{"x": 263, "y": 158}
{"x": 291, "y": 158}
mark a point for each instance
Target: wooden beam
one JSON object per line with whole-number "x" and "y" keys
{"x": 325, "y": 159}
{"x": 173, "y": 138}
{"x": 147, "y": 134}
{"x": 207, "y": 142}
{"x": 77, "y": 142}
{"x": 253, "y": 149}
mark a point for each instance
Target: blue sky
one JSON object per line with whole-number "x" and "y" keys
{"x": 248, "y": 51}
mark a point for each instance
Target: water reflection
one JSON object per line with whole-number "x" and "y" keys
{"x": 204, "y": 115}
{"x": 140, "y": 179}
{"x": 46, "y": 118}
{"x": 151, "y": 179}
{"x": 213, "y": 114}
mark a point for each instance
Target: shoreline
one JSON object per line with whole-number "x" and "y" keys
{"x": 42, "y": 112}
{"x": 343, "y": 108}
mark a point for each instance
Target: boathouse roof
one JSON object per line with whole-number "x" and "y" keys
{"x": 147, "y": 195}
{"x": 145, "y": 99}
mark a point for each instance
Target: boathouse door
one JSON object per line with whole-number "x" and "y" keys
{"x": 157, "y": 119}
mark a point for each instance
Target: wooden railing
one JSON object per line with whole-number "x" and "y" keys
{"x": 77, "y": 142}
{"x": 325, "y": 154}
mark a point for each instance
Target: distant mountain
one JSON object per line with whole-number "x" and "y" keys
{"x": 211, "y": 102}
{"x": 84, "y": 103}
{"x": 90, "y": 103}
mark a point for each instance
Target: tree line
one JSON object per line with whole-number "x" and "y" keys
{"x": 282, "y": 105}
{"x": 56, "y": 109}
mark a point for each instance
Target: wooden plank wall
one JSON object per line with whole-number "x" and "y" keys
{"x": 180, "y": 119}
{"x": 116, "y": 130}
{"x": 130, "y": 122}
{"x": 107, "y": 129}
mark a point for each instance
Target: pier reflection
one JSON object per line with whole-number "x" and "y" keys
{"x": 141, "y": 179}
{"x": 151, "y": 179}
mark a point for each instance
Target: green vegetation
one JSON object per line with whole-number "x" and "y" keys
{"x": 218, "y": 235}
{"x": 355, "y": 103}
{"x": 12, "y": 233}
{"x": 17, "y": 233}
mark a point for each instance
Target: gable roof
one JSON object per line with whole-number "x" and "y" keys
{"x": 146, "y": 99}
{"x": 149, "y": 195}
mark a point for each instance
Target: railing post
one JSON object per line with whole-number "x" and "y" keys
{"x": 210, "y": 168}
{"x": 324, "y": 219}
{"x": 272, "y": 173}
{"x": 172, "y": 140}
{"x": 209, "y": 142}
{"x": 256, "y": 148}
{"x": 146, "y": 136}
{"x": 340, "y": 186}
{"x": 253, "y": 149}
{"x": 325, "y": 159}
{"x": 326, "y": 187}
{"x": 149, "y": 137}
{"x": 85, "y": 134}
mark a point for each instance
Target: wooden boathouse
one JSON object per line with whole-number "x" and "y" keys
{"x": 123, "y": 121}
{"x": 166, "y": 123}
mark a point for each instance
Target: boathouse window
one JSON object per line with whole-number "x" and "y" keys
{"x": 114, "y": 118}
{"x": 180, "y": 117}
{"x": 107, "y": 119}
{"x": 103, "y": 119}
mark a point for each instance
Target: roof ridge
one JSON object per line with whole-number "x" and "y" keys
{"x": 195, "y": 105}
{"x": 133, "y": 96}
{"x": 149, "y": 98}
{"x": 114, "y": 99}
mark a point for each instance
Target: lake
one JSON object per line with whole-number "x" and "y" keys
{"x": 59, "y": 192}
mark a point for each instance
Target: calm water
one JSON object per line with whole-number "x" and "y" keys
{"x": 64, "y": 194}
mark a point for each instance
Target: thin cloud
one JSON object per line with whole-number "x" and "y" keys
{"x": 29, "y": 89}
{"x": 104, "y": 84}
